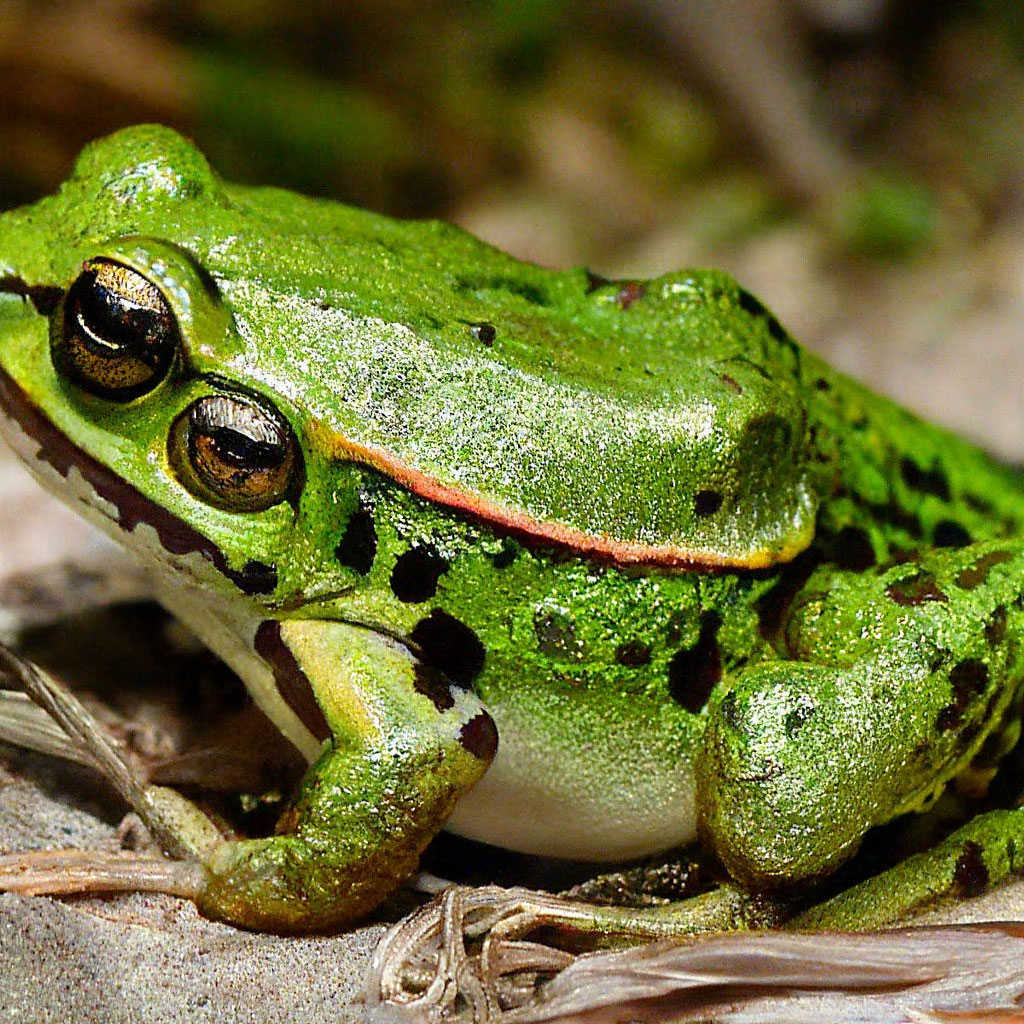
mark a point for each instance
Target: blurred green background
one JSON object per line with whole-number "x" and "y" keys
{"x": 859, "y": 163}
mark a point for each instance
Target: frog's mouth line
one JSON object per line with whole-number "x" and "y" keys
{"x": 133, "y": 507}
{"x": 44, "y": 297}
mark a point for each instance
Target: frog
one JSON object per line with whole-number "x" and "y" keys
{"x": 577, "y": 567}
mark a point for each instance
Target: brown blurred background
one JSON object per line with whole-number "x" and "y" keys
{"x": 858, "y": 163}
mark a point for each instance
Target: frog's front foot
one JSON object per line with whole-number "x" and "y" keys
{"x": 406, "y": 744}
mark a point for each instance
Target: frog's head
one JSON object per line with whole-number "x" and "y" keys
{"x": 119, "y": 385}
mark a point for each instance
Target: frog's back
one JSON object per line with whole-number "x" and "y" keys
{"x": 671, "y": 421}
{"x": 657, "y": 422}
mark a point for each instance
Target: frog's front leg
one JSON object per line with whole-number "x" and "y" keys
{"x": 405, "y": 745}
{"x": 890, "y": 684}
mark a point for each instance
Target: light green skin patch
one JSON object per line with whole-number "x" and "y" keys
{"x": 701, "y": 582}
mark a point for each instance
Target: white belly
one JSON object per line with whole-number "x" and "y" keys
{"x": 593, "y": 802}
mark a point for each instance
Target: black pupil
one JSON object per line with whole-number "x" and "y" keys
{"x": 115, "y": 326}
{"x": 240, "y": 451}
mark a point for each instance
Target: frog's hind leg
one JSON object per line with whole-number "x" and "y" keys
{"x": 888, "y": 686}
{"x": 975, "y": 858}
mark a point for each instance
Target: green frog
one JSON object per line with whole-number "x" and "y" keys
{"x": 578, "y": 567}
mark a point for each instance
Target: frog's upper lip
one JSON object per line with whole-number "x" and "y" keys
{"x": 176, "y": 536}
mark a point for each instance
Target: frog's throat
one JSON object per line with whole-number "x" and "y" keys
{"x": 520, "y": 524}
{"x": 176, "y": 536}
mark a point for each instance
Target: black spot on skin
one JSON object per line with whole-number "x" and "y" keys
{"x": 630, "y": 292}
{"x": 484, "y": 332}
{"x": 358, "y": 545}
{"x": 292, "y": 683}
{"x": 556, "y": 635}
{"x": 852, "y": 549}
{"x": 977, "y": 574}
{"x": 773, "y": 606}
{"x": 479, "y": 736}
{"x": 508, "y": 553}
{"x": 44, "y": 297}
{"x": 979, "y": 504}
{"x": 449, "y": 645}
{"x": 693, "y": 673}
{"x": 995, "y": 628}
{"x": 949, "y": 534}
{"x": 255, "y": 577}
{"x": 895, "y": 515}
{"x": 416, "y": 574}
{"x": 633, "y": 654}
{"x": 755, "y": 307}
{"x": 707, "y": 503}
{"x": 433, "y": 683}
{"x": 751, "y": 303}
{"x": 970, "y": 874}
{"x": 967, "y": 679}
{"x": 776, "y": 330}
{"x": 822, "y": 385}
{"x": 927, "y": 481}
{"x": 917, "y": 589}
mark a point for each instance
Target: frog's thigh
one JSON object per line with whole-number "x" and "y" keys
{"x": 405, "y": 745}
{"x": 585, "y": 775}
{"x": 895, "y": 681}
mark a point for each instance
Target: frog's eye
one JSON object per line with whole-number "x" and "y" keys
{"x": 116, "y": 334}
{"x": 235, "y": 453}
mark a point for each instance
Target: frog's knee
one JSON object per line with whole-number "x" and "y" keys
{"x": 774, "y": 782}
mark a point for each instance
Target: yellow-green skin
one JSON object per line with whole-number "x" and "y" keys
{"x": 701, "y": 582}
